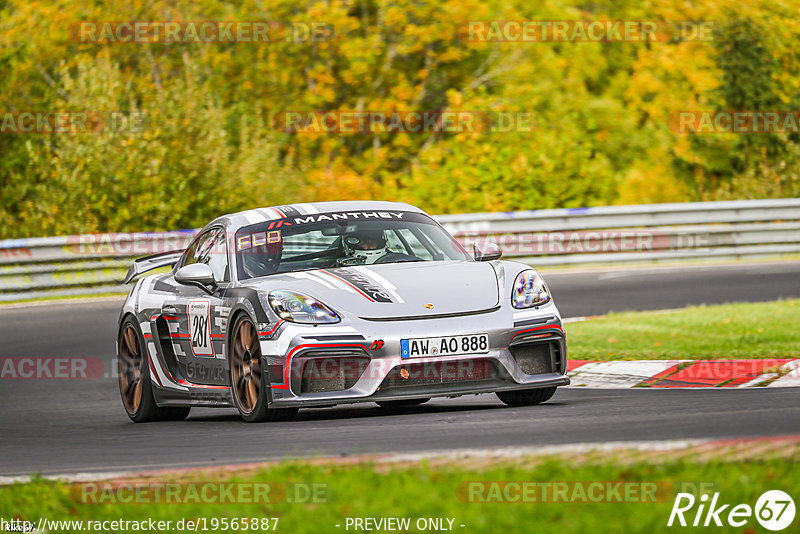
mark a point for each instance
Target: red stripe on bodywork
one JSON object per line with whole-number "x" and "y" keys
{"x": 183, "y": 382}
{"x": 537, "y": 328}
{"x": 153, "y": 369}
{"x": 180, "y": 380}
{"x": 166, "y": 370}
{"x": 288, "y": 368}
{"x": 271, "y": 331}
{"x": 167, "y": 317}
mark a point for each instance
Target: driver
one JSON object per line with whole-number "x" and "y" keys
{"x": 261, "y": 260}
{"x": 364, "y": 246}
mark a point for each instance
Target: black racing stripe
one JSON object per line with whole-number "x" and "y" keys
{"x": 252, "y": 296}
{"x": 536, "y": 320}
{"x": 289, "y": 211}
{"x": 375, "y": 292}
{"x": 163, "y": 286}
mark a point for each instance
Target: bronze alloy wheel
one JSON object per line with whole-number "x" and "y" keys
{"x": 246, "y": 366}
{"x": 131, "y": 369}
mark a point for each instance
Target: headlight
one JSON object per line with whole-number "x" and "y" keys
{"x": 300, "y": 308}
{"x": 529, "y": 290}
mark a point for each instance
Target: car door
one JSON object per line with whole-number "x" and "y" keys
{"x": 202, "y": 317}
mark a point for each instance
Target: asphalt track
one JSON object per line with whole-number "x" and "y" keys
{"x": 60, "y": 426}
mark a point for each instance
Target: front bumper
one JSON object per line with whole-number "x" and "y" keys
{"x": 530, "y": 355}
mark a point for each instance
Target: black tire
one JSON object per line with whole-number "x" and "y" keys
{"x": 249, "y": 379}
{"x": 135, "y": 386}
{"x": 526, "y": 397}
{"x": 397, "y": 404}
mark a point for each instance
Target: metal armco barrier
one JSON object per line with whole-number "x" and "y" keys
{"x": 91, "y": 264}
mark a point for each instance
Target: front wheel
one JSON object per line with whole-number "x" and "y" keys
{"x": 526, "y": 397}
{"x": 249, "y": 380}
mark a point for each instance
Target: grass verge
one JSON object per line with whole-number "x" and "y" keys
{"x": 749, "y": 330}
{"x": 449, "y": 489}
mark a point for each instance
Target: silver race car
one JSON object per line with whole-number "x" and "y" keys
{"x": 310, "y": 305}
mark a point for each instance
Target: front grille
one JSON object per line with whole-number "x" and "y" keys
{"x": 535, "y": 358}
{"x": 321, "y": 372}
{"x": 440, "y": 372}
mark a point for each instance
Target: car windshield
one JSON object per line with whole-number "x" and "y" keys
{"x": 342, "y": 239}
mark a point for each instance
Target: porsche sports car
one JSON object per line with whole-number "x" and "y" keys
{"x": 311, "y": 305}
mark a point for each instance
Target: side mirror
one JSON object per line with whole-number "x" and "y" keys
{"x": 198, "y": 275}
{"x": 486, "y": 252}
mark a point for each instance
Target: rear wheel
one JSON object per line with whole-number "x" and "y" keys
{"x": 134, "y": 379}
{"x": 394, "y": 404}
{"x": 526, "y": 397}
{"x": 249, "y": 380}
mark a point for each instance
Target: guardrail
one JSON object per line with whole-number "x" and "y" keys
{"x": 97, "y": 263}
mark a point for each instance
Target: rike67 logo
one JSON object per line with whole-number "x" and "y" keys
{"x": 774, "y": 510}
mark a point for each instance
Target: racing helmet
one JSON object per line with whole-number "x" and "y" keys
{"x": 369, "y": 244}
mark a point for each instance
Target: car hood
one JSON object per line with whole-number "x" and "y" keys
{"x": 395, "y": 289}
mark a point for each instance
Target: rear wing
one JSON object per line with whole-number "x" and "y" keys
{"x": 154, "y": 261}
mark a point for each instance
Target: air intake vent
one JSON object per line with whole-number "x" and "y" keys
{"x": 334, "y": 372}
{"x": 535, "y": 358}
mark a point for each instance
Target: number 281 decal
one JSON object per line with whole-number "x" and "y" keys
{"x": 200, "y": 325}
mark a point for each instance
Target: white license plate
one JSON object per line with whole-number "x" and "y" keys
{"x": 444, "y": 346}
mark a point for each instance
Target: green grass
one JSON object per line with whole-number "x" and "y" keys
{"x": 753, "y": 330}
{"x": 419, "y": 490}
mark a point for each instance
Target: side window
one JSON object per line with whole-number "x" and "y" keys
{"x": 192, "y": 253}
{"x": 210, "y": 248}
{"x": 218, "y": 261}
